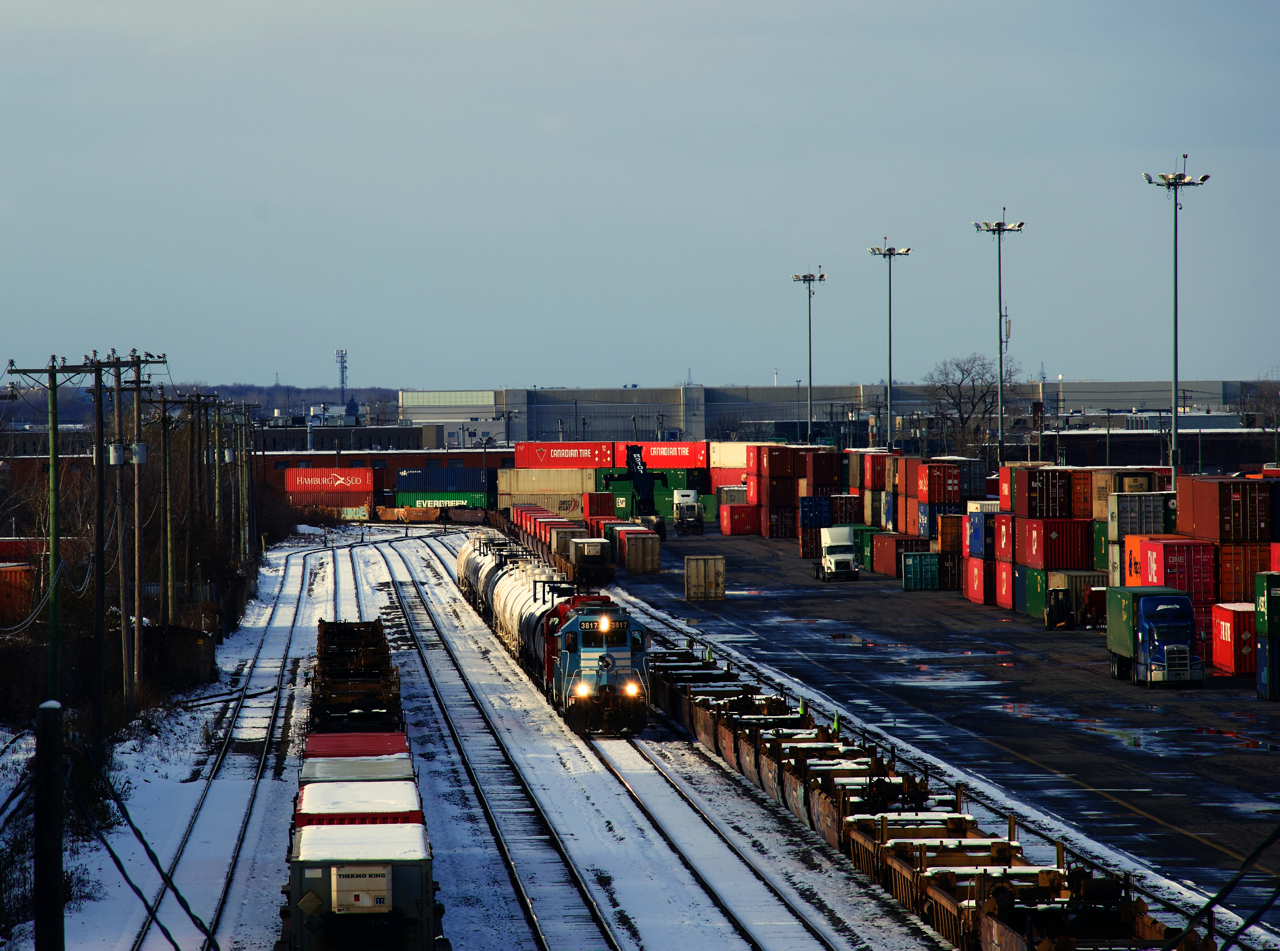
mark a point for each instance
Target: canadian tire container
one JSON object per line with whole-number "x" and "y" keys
{"x": 1056, "y": 543}
{"x": 1233, "y": 638}
{"x": 919, "y": 571}
{"x": 1005, "y": 538}
{"x": 704, "y": 578}
{"x": 887, "y": 551}
{"x": 1238, "y": 565}
{"x": 739, "y": 520}
{"x": 1004, "y": 585}
{"x": 1231, "y": 510}
{"x": 1182, "y": 563}
{"x": 1266, "y": 601}
{"x": 980, "y": 580}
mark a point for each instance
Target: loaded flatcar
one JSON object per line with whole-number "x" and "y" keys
{"x": 584, "y": 650}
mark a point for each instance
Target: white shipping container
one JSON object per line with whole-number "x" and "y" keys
{"x": 536, "y": 481}
{"x": 704, "y": 578}
{"x": 565, "y": 504}
{"x": 730, "y": 455}
{"x": 985, "y": 508}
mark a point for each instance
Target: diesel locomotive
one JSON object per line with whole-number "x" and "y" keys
{"x": 583, "y": 649}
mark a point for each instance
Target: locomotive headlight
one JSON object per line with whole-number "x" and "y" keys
{"x": 583, "y": 689}
{"x": 632, "y": 689}
{"x": 604, "y": 623}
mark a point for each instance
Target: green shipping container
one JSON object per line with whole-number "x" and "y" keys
{"x": 866, "y": 545}
{"x": 1099, "y": 546}
{"x": 710, "y": 508}
{"x": 442, "y": 500}
{"x": 622, "y": 506}
{"x": 676, "y": 479}
{"x": 1266, "y": 587}
{"x": 920, "y": 571}
{"x": 1037, "y": 585}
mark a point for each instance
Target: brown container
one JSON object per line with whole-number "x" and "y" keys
{"x": 846, "y": 510}
{"x": 950, "y": 570}
{"x": 909, "y": 476}
{"x": 1184, "y": 486}
{"x": 777, "y": 521}
{"x": 770, "y": 491}
{"x": 1042, "y": 493}
{"x": 1082, "y": 493}
{"x": 810, "y": 542}
{"x": 822, "y": 468}
{"x": 1237, "y": 564}
{"x": 950, "y": 529}
{"x": 1231, "y": 510}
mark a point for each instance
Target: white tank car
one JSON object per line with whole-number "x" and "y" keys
{"x": 520, "y": 601}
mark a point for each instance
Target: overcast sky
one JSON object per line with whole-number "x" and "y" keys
{"x": 562, "y": 194}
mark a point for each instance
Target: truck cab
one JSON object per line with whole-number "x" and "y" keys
{"x": 839, "y": 559}
{"x": 687, "y": 512}
{"x": 1152, "y": 636}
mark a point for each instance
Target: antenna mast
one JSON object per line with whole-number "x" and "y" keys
{"x": 342, "y": 375}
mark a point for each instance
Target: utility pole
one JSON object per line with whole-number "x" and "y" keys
{"x": 1000, "y": 229}
{"x": 889, "y": 253}
{"x": 98, "y": 735}
{"x": 166, "y": 475}
{"x": 809, "y": 280}
{"x": 139, "y": 460}
{"x": 48, "y": 829}
{"x": 122, "y": 557}
{"x": 54, "y": 690}
{"x": 217, "y": 475}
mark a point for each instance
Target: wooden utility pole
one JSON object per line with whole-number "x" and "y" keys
{"x": 48, "y": 896}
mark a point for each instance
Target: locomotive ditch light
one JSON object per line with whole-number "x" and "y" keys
{"x": 583, "y": 690}
{"x": 632, "y": 689}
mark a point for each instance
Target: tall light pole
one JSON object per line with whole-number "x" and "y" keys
{"x": 1172, "y": 183}
{"x": 889, "y": 254}
{"x": 999, "y": 229}
{"x": 809, "y": 280}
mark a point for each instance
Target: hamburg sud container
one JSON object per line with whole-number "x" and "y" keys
{"x": 362, "y": 885}
{"x": 1004, "y": 541}
{"x": 980, "y": 580}
{"x": 1182, "y": 563}
{"x": 1233, "y": 638}
{"x": 1237, "y": 567}
{"x": 331, "y": 481}
{"x": 1056, "y": 543}
{"x": 887, "y": 549}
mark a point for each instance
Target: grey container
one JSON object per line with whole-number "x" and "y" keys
{"x": 1136, "y": 513}
{"x": 361, "y": 885}
{"x": 334, "y": 769}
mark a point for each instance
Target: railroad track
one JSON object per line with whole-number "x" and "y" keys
{"x": 258, "y": 699}
{"x": 558, "y": 906}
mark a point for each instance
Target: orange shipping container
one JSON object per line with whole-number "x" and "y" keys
{"x": 1132, "y": 571}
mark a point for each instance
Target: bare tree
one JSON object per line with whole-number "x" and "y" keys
{"x": 965, "y": 390}
{"x": 1260, "y": 409}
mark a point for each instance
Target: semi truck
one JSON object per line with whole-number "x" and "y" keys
{"x": 839, "y": 557}
{"x": 1151, "y": 634}
{"x": 687, "y": 512}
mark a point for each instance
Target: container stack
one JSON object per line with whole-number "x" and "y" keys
{"x": 442, "y": 488}
{"x": 346, "y": 494}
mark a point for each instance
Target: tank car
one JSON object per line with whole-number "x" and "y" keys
{"x": 584, "y": 650}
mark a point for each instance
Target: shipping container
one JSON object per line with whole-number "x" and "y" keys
{"x": 776, "y": 461}
{"x": 872, "y": 502}
{"x": 920, "y": 571}
{"x": 1042, "y": 493}
{"x": 887, "y": 550}
{"x": 562, "y": 455}
{"x": 770, "y": 491}
{"x": 597, "y": 503}
{"x": 909, "y": 475}
{"x": 1020, "y": 588}
{"x": 1267, "y": 658}
{"x": 910, "y": 515}
{"x": 664, "y": 455}
{"x": 930, "y": 512}
{"x": 821, "y": 468}
{"x": 853, "y": 459}
{"x": 1132, "y": 569}
{"x": 1266, "y": 601}
{"x": 950, "y": 531}
{"x": 986, "y": 506}
{"x": 982, "y": 535}
{"x": 1238, "y": 565}
{"x": 1056, "y": 543}
{"x": 1115, "y": 565}
{"x": 1005, "y": 544}
{"x": 891, "y": 474}
{"x": 1233, "y": 638}
{"x": 568, "y": 504}
{"x": 938, "y": 482}
{"x": 814, "y": 513}
{"x": 1004, "y": 585}
{"x": 950, "y": 571}
{"x": 446, "y": 479}
{"x": 15, "y": 593}
{"x": 441, "y": 500}
{"x": 617, "y": 480}
{"x": 1078, "y": 585}
{"x": 1137, "y": 513}
{"x": 810, "y": 542}
{"x": 1182, "y": 563}
{"x": 734, "y": 477}
{"x": 980, "y": 580}
{"x": 331, "y": 481}
{"x": 777, "y": 522}
{"x": 542, "y": 481}
{"x": 846, "y": 510}
{"x": 704, "y": 578}
{"x": 1037, "y": 593}
{"x": 888, "y": 511}
{"x": 1229, "y": 510}
{"x": 973, "y": 475}
{"x": 1082, "y": 493}
{"x": 874, "y": 465}
{"x": 728, "y": 455}
{"x": 1100, "y": 546}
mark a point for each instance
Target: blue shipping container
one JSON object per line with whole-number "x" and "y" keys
{"x": 929, "y": 512}
{"x": 887, "y": 507}
{"x": 1268, "y": 667}
{"x": 472, "y": 479}
{"x": 1020, "y": 588}
{"x": 815, "y": 513}
{"x": 982, "y": 535}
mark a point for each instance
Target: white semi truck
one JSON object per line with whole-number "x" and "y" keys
{"x": 839, "y": 559}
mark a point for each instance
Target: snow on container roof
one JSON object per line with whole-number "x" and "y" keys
{"x": 358, "y": 797}
{"x": 347, "y": 844}
{"x": 327, "y": 769}
{"x": 355, "y": 744}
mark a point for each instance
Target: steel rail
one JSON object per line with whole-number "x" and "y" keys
{"x": 227, "y": 740}
{"x": 482, "y": 797}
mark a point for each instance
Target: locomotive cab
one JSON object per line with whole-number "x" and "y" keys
{"x": 598, "y": 678}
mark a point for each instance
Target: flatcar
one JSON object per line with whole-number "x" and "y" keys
{"x": 583, "y": 649}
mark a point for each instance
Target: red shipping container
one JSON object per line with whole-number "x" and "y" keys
{"x": 1082, "y": 493}
{"x": 810, "y": 542}
{"x": 354, "y": 744}
{"x": 1004, "y": 585}
{"x": 771, "y": 461}
{"x": 909, "y": 475}
{"x": 721, "y": 477}
{"x": 1056, "y": 544}
{"x": 980, "y": 581}
{"x": 873, "y": 467}
{"x": 1183, "y": 563}
{"x": 821, "y": 468}
{"x": 1233, "y": 638}
{"x": 1005, "y": 535}
{"x": 333, "y": 481}
{"x": 1230, "y": 510}
{"x": 329, "y": 804}
{"x": 938, "y": 482}
{"x": 564, "y": 455}
{"x": 1237, "y": 564}
{"x": 597, "y": 503}
{"x": 332, "y": 500}
{"x": 846, "y": 509}
{"x": 663, "y": 455}
{"x": 912, "y": 507}
{"x": 1006, "y": 489}
{"x": 763, "y": 490}
{"x": 777, "y": 521}
{"x": 887, "y": 549}
{"x": 739, "y": 520}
